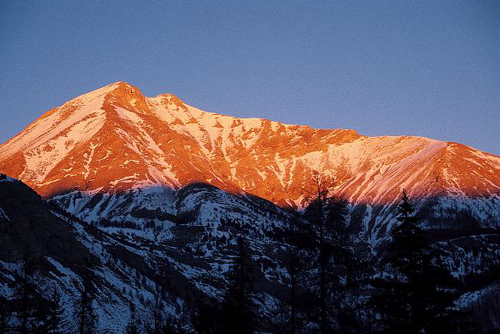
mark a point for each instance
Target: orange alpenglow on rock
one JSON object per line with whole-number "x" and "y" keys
{"x": 115, "y": 139}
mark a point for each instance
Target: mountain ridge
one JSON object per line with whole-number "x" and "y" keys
{"x": 114, "y": 151}
{"x": 152, "y": 184}
{"x": 204, "y": 137}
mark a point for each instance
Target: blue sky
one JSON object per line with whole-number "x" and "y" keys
{"x": 424, "y": 68}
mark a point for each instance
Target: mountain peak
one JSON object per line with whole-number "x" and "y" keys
{"x": 117, "y": 86}
{"x": 117, "y": 89}
{"x": 123, "y": 88}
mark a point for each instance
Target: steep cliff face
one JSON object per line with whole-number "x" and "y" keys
{"x": 123, "y": 147}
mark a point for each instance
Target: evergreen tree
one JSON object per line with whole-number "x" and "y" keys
{"x": 172, "y": 326}
{"x": 293, "y": 270}
{"x": 54, "y": 319}
{"x": 238, "y": 308}
{"x": 157, "y": 312}
{"x": 85, "y": 314}
{"x": 48, "y": 315}
{"x": 336, "y": 261}
{"x": 334, "y": 253}
{"x": 158, "y": 307}
{"x": 297, "y": 258}
{"x": 132, "y": 327}
{"x": 4, "y": 314}
{"x": 345, "y": 266}
{"x": 204, "y": 319}
{"x": 317, "y": 215}
{"x": 414, "y": 298}
{"x": 26, "y": 292}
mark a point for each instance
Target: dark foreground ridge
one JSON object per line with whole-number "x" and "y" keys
{"x": 226, "y": 263}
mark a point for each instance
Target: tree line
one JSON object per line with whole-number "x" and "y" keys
{"x": 334, "y": 284}
{"x": 38, "y": 309}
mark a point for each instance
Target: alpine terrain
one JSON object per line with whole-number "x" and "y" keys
{"x": 144, "y": 206}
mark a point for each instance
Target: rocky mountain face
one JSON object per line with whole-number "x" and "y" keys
{"x": 187, "y": 268}
{"x": 154, "y": 193}
{"x": 116, "y": 154}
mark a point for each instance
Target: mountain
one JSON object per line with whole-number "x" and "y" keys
{"x": 152, "y": 194}
{"x": 183, "y": 271}
{"x": 57, "y": 248}
{"x": 189, "y": 267}
{"x": 114, "y": 153}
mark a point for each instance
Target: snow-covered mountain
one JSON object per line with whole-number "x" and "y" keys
{"x": 155, "y": 193}
{"x": 114, "y": 153}
{"x": 184, "y": 270}
{"x": 187, "y": 266}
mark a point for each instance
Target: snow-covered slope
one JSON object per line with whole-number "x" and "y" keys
{"x": 114, "y": 151}
{"x": 162, "y": 187}
{"x": 184, "y": 268}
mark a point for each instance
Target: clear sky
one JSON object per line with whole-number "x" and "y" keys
{"x": 424, "y": 68}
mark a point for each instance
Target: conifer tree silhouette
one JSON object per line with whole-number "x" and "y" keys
{"x": 48, "y": 315}
{"x": 26, "y": 291}
{"x": 85, "y": 313}
{"x": 238, "y": 307}
{"x": 415, "y": 299}
{"x": 54, "y": 319}
{"x": 4, "y": 314}
{"x": 333, "y": 252}
{"x": 132, "y": 327}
